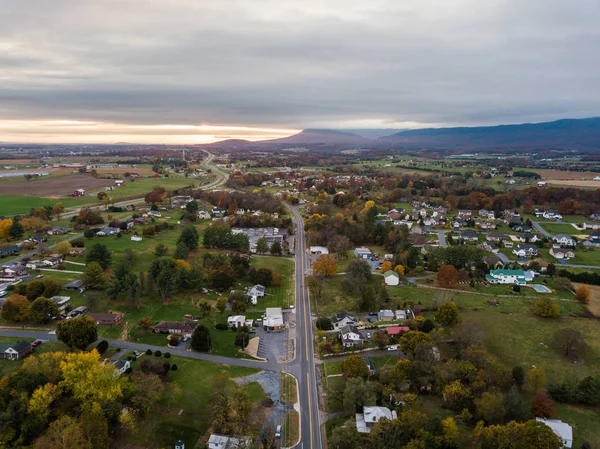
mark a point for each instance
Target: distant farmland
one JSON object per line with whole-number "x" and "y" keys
{"x": 14, "y": 204}
{"x": 566, "y": 175}
{"x": 55, "y": 187}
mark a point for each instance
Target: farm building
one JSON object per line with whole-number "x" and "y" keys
{"x": 506, "y": 277}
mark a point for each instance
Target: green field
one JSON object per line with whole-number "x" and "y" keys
{"x": 15, "y": 204}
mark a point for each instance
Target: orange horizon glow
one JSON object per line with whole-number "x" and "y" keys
{"x": 96, "y": 132}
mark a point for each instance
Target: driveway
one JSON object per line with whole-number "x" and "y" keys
{"x": 442, "y": 238}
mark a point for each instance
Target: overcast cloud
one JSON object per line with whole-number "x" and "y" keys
{"x": 297, "y": 64}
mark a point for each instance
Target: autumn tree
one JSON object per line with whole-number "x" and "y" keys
{"x": 57, "y": 210}
{"x": 583, "y": 294}
{"x": 64, "y": 433}
{"x": 410, "y": 340}
{"x": 542, "y": 405}
{"x": 355, "y": 366}
{"x": 399, "y": 269}
{"x": 77, "y": 333}
{"x": 386, "y": 266}
{"x": 5, "y": 225}
{"x": 490, "y": 407}
{"x": 447, "y": 275}
{"x": 447, "y": 314}
{"x": 546, "y": 307}
{"x": 536, "y": 378}
{"x": 16, "y": 308}
{"x": 93, "y": 276}
{"x": 325, "y": 265}
{"x": 526, "y": 435}
{"x": 63, "y": 248}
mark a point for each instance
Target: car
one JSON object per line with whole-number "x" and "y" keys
{"x": 36, "y": 343}
{"x": 253, "y": 331}
{"x": 278, "y": 431}
{"x": 137, "y": 353}
{"x": 393, "y": 348}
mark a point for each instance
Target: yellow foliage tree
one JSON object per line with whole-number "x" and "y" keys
{"x": 4, "y": 227}
{"x": 399, "y": 270}
{"x": 89, "y": 380}
{"x": 450, "y": 432}
{"x": 63, "y": 248}
{"x": 31, "y": 223}
{"x": 325, "y": 265}
{"x": 180, "y": 263}
{"x": 386, "y": 266}
{"x": 40, "y": 401}
{"x": 582, "y": 293}
{"x": 536, "y": 378}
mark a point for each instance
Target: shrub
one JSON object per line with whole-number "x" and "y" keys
{"x": 128, "y": 370}
{"x": 167, "y": 355}
{"x": 102, "y": 346}
{"x": 149, "y": 352}
{"x": 167, "y": 366}
{"x": 221, "y": 326}
{"x": 174, "y": 367}
{"x": 157, "y": 353}
{"x": 324, "y": 324}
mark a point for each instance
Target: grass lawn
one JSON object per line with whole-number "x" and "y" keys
{"x": 585, "y": 422}
{"x": 10, "y": 366}
{"x": 194, "y": 379}
{"x": 16, "y": 204}
{"x": 288, "y": 389}
{"x": 586, "y": 258}
{"x": 276, "y": 296}
{"x": 291, "y": 428}
{"x": 563, "y": 228}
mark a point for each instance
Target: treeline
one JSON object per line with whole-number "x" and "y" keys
{"x": 219, "y": 235}
{"x": 246, "y": 200}
{"x": 585, "y": 277}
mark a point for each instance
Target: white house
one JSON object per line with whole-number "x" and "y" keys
{"x": 203, "y": 215}
{"x": 562, "y": 253}
{"x": 562, "y": 429}
{"x": 136, "y": 238}
{"x": 122, "y": 366}
{"x": 236, "y": 321}
{"x": 564, "y": 240}
{"x": 372, "y": 415}
{"x": 385, "y": 315}
{"x": 343, "y": 319}
{"x": 400, "y": 315}
{"x": 391, "y": 278}
{"x": 256, "y": 290}
{"x": 506, "y": 277}
{"x": 224, "y": 442}
{"x": 350, "y": 336}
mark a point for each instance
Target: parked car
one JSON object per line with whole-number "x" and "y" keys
{"x": 36, "y": 343}
{"x": 278, "y": 431}
{"x": 393, "y": 348}
{"x": 137, "y": 353}
{"x": 253, "y": 331}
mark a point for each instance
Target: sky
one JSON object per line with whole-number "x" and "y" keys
{"x": 196, "y": 71}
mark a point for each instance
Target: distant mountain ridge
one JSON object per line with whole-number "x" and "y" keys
{"x": 577, "y": 134}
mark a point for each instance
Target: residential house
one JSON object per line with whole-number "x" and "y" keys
{"x": 528, "y": 237}
{"x": 563, "y": 430}
{"x": 464, "y": 213}
{"x": 416, "y": 230}
{"x": 510, "y": 181}
{"x": 503, "y": 258}
{"x": 526, "y": 250}
{"x": 58, "y": 230}
{"x": 594, "y": 238}
{"x": 343, "y": 319}
{"x": 487, "y": 225}
{"x": 9, "y": 250}
{"x": 508, "y": 244}
{"x": 122, "y": 366}
{"x": 13, "y": 271}
{"x": 107, "y": 319}
{"x": 76, "y": 251}
{"x": 416, "y": 240}
{"x": 564, "y": 240}
{"x": 562, "y": 253}
{"x": 495, "y": 237}
{"x": 521, "y": 227}
{"x": 62, "y": 302}
{"x": 15, "y": 351}
{"x": 119, "y": 182}
{"x": 76, "y": 285}
{"x": 385, "y": 315}
{"x": 394, "y": 331}
{"x": 506, "y": 277}
{"x": 489, "y": 214}
{"x": 79, "y": 192}
{"x": 552, "y": 215}
{"x": 391, "y": 278}
{"x": 489, "y": 247}
{"x": 181, "y": 199}
{"x": 273, "y": 319}
{"x": 318, "y": 250}
{"x": 176, "y": 327}
{"x": 203, "y": 215}
{"x": 350, "y": 336}
{"x": 493, "y": 261}
{"x": 236, "y": 321}
{"x": 469, "y": 235}
{"x": 256, "y": 290}
{"x": 362, "y": 253}
{"x": 224, "y": 442}
{"x": 372, "y": 415}
{"x": 371, "y": 366}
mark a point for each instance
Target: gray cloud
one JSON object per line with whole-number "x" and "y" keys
{"x": 291, "y": 63}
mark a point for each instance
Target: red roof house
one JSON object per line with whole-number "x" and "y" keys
{"x": 397, "y": 330}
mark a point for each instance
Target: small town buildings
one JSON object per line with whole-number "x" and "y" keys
{"x": 526, "y": 250}
{"x": 394, "y": 331}
{"x": 13, "y": 271}
{"x": 416, "y": 240}
{"x": 119, "y": 182}
{"x": 560, "y": 428}
{"x": 528, "y": 237}
{"x": 489, "y": 247}
{"x": 136, "y": 238}
{"x": 15, "y": 351}
{"x": 236, "y": 321}
{"x": 122, "y": 366}
{"x": 350, "y": 336}
{"x": 564, "y": 240}
{"x": 9, "y": 250}
{"x": 362, "y": 253}
{"x": 273, "y": 319}
{"x": 176, "y": 327}
{"x": 385, "y": 315}
{"x": 343, "y": 319}
{"x": 224, "y": 442}
{"x": 391, "y": 278}
{"x": 562, "y": 253}
{"x": 76, "y": 251}
{"x": 256, "y": 290}
{"x": 107, "y": 319}
{"x": 469, "y": 235}
{"x": 203, "y": 215}
{"x": 372, "y": 415}
{"x": 62, "y": 302}
{"x": 79, "y": 192}
{"x": 318, "y": 250}
{"x": 506, "y": 277}
{"x": 76, "y": 285}
{"x": 58, "y": 230}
